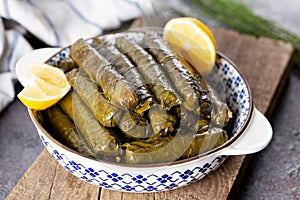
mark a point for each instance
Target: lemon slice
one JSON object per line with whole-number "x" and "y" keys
{"x": 194, "y": 41}
{"x": 46, "y": 86}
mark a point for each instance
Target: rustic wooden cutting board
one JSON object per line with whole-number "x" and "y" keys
{"x": 265, "y": 64}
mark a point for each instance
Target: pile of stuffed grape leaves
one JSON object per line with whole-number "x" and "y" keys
{"x": 136, "y": 102}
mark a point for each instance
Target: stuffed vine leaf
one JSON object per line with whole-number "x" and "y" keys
{"x": 66, "y": 104}
{"x": 99, "y": 140}
{"x": 194, "y": 97}
{"x": 128, "y": 70}
{"x": 158, "y": 149}
{"x": 162, "y": 122}
{"x": 206, "y": 141}
{"x": 93, "y": 97}
{"x": 115, "y": 87}
{"x": 134, "y": 126}
{"x": 63, "y": 129}
{"x": 159, "y": 83}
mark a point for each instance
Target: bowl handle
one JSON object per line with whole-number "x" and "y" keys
{"x": 256, "y": 137}
{"x": 35, "y": 56}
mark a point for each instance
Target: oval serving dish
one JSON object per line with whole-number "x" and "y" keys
{"x": 251, "y": 133}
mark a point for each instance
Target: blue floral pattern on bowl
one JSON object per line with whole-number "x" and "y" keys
{"x": 110, "y": 178}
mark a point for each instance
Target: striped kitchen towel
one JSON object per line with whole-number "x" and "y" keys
{"x": 57, "y": 23}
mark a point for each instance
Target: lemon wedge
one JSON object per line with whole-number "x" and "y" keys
{"x": 46, "y": 86}
{"x": 193, "y": 40}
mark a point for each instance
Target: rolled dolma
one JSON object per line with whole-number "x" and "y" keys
{"x": 158, "y": 149}
{"x": 194, "y": 97}
{"x": 206, "y": 141}
{"x": 67, "y": 64}
{"x": 115, "y": 86}
{"x": 187, "y": 118}
{"x": 66, "y": 104}
{"x": 159, "y": 83}
{"x": 124, "y": 66}
{"x": 98, "y": 139}
{"x": 220, "y": 114}
{"x": 134, "y": 126}
{"x": 63, "y": 129}
{"x": 162, "y": 122}
{"x": 106, "y": 113}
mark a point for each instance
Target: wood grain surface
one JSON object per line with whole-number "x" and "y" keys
{"x": 264, "y": 63}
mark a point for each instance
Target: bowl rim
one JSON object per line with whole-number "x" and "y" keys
{"x": 186, "y": 160}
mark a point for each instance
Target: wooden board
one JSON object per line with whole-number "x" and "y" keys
{"x": 264, "y": 63}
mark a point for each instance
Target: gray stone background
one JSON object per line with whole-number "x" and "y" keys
{"x": 273, "y": 173}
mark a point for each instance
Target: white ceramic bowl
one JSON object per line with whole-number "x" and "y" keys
{"x": 251, "y": 133}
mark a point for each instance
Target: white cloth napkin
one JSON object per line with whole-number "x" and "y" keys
{"x": 58, "y": 23}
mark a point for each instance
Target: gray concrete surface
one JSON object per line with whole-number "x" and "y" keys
{"x": 19, "y": 145}
{"x": 275, "y": 172}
